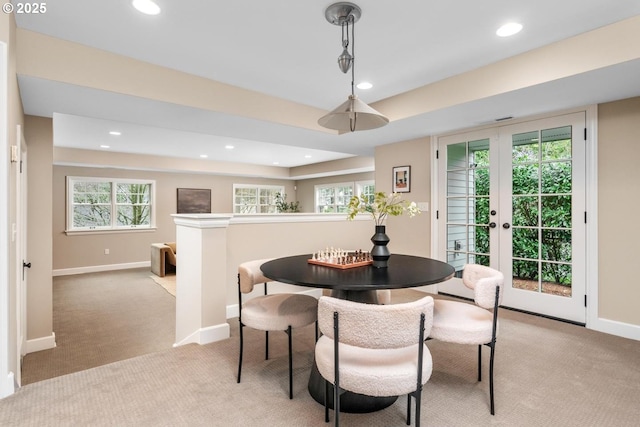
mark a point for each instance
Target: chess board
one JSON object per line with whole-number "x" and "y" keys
{"x": 340, "y": 266}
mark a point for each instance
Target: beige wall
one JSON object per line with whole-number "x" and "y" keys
{"x": 39, "y": 136}
{"x": 305, "y": 192}
{"x": 408, "y": 235}
{"x": 75, "y": 251}
{"x": 618, "y": 206}
{"x": 247, "y": 242}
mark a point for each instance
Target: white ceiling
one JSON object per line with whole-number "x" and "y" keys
{"x": 287, "y": 49}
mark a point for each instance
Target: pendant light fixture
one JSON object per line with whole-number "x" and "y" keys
{"x": 352, "y": 115}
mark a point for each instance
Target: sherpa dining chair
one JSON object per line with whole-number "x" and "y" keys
{"x": 375, "y": 350}
{"x": 474, "y": 324}
{"x": 271, "y": 312}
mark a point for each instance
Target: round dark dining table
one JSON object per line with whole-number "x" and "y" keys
{"x": 356, "y": 284}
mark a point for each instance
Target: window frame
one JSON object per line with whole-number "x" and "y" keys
{"x": 357, "y": 188}
{"x": 257, "y": 187}
{"x": 113, "y": 227}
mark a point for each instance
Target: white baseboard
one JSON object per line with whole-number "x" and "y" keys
{"x": 39, "y": 344}
{"x": 8, "y": 386}
{"x": 99, "y": 268}
{"x": 613, "y": 327}
{"x": 207, "y": 335}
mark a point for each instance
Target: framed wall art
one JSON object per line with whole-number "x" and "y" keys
{"x": 402, "y": 179}
{"x": 193, "y": 200}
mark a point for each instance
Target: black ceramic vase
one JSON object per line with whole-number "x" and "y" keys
{"x": 380, "y": 253}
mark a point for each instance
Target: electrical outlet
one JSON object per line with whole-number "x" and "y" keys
{"x": 106, "y": 251}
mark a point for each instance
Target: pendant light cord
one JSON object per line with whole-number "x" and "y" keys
{"x": 352, "y": 123}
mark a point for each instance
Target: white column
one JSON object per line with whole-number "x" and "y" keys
{"x": 201, "y": 271}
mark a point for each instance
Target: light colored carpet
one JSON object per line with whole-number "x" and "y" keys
{"x": 548, "y": 373}
{"x": 168, "y": 282}
{"x": 100, "y": 318}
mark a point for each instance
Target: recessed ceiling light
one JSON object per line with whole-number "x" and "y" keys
{"x": 364, "y": 85}
{"x": 308, "y": 156}
{"x": 148, "y": 7}
{"x": 115, "y": 133}
{"x": 509, "y": 29}
{"x": 229, "y": 147}
{"x": 276, "y": 163}
{"x": 203, "y": 156}
{"x": 105, "y": 146}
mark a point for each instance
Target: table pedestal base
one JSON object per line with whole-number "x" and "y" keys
{"x": 349, "y": 402}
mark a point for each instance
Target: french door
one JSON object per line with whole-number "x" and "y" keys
{"x": 513, "y": 198}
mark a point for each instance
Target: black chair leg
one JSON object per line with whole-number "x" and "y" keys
{"x": 479, "y": 362}
{"x": 290, "y": 364}
{"x": 326, "y": 401}
{"x": 409, "y": 409}
{"x": 336, "y": 404}
{"x": 266, "y": 345}
{"x": 493, "y": 349}
{"x": 418, "y": 406}
{"x": 240, "y": 355}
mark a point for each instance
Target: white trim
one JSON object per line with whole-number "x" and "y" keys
{"x": 202, "y": 220}
{"x": 110, "y": 231}
{"x": 207, "y": 335}
{"x": 39, "y": 344}
{"x": 7, "y": 381}
{"x": 293, "y": 217}
{"x": 614, "y": 327}
{"x": 591, "y": 231}
{"x": 99, "y": 268}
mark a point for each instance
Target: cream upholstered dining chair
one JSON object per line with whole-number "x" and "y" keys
{"x": 474, "y": 324}
{"x": 274, "y": 312}
{"x": 375, "y": 350}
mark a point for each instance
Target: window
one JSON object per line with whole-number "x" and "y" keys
{"x": 334, "y": 198}
{"x": 249, "y": 198}
{"x": 367, "y": 189}
{"x": 98, "y": 204}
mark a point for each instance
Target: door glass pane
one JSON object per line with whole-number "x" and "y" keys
{"x": 556, "y": 177}
{"x": 457, "y": 183}
{"x": 525, "y": 179}
{"x": 556, "y": 279}
{"x": 480, "y": 210}
{"x": 525, "y": 147}
{"x": 541, "y": 207}
{"x": 556, "y": 211}
{"x": 479, "y": 239}
{"x": 556, "y": 143}
{"x": 457, "y": 210}
{"x": 525, "y": 211}
{"x": 525, "y": 275}
{"x": 525, "y": 243}
{"x": 467, "y": 202}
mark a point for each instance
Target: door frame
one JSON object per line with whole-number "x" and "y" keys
{"x": 593, "y": 321}
{"x": 21, "y": 250}
{"x": 573, "y": 307}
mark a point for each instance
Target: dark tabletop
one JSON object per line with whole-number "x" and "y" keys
{"x": 404, "y": 271}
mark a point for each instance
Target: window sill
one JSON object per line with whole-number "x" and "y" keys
{"x": 118, "y": 231}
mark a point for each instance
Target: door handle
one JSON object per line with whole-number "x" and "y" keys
{"x": 25, "y": 265}
{"x": 506, "y": 225}
{"x": 492, "y": 224}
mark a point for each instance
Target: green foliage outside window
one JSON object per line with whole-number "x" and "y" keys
{"x": 541, "y": 201}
